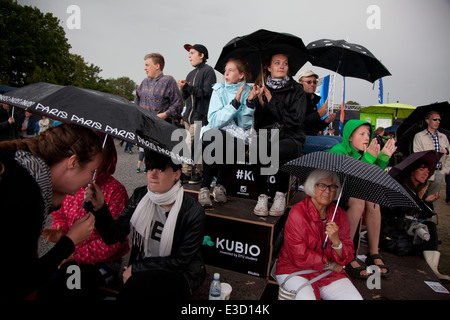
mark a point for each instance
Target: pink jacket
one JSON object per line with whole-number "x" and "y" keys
{"x": 303, "y": 238}
{"x": 93, "y": 249}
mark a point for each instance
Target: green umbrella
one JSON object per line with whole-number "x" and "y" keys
{"x": 398, "y": 110}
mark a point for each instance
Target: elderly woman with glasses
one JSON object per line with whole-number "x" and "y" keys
{"x": 306, "y": 229}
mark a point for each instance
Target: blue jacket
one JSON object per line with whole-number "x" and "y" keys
{"x": 221, "y": 111}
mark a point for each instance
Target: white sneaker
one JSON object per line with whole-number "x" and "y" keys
{"x": 278, "y": 205}
{"x": 204, "y": 197}
{"x": 261, "y": 206}
{"x": 220, "y": 194}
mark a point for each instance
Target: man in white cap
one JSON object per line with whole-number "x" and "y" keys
{"x": 314, "y": 122}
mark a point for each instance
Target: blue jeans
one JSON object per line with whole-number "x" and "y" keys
{"x": 320, "y": 143}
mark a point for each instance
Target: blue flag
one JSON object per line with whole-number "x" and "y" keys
{"x": 380, "y": 91}
{"x": 324, "y": 90}
{"x": 325, "y": 84}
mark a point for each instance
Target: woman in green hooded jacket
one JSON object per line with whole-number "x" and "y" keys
{"x": 358, "y": 142}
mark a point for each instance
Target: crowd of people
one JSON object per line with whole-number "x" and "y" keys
{"x": 56, "y": 165}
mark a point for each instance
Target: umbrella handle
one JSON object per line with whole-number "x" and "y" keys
{"x": 324, "y": 244}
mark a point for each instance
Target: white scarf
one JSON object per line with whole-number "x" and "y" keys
{"x": 143, "y": 216}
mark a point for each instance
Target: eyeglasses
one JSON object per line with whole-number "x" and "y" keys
{"x": 310, "y": 81}
{"x": 437, "y": 119}
{"x": 323, "y": 187}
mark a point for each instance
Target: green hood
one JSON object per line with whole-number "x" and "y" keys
{"x": 345, "y": 148}
{"x": 351, "y": 126}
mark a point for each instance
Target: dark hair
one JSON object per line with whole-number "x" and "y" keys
{"x": 109, "y": 161}
{"x": 420, "y": 163}
{"x": 265, "y": 68}
{"x": 58, "y": 143}
{"x": 430, "y": 113}
{"x": 156, "y": 160}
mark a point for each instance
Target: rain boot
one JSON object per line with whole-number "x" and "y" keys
{"x": 432, "y": 258}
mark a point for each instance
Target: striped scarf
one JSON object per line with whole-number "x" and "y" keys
{"x": 40, "y": 172}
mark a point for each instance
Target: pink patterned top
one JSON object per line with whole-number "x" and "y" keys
{"x": 93, "y": 249}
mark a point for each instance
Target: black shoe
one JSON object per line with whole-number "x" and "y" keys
{"x": 184, "y": 178}
{"x": 196, "y": 178}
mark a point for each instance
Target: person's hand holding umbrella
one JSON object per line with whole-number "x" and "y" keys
{"x": 264, "y": 96}
{"x": 323, "y": 109}
{"x": 93, "y": 194}
{"x": 256, "y": 92}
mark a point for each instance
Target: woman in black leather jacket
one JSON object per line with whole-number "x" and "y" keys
{"x": 279, "y": 104}
{"x": 163, "y": 263}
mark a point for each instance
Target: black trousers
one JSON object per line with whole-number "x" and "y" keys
{"x": 230, "y": 146}
{"x": 289, "y": 149}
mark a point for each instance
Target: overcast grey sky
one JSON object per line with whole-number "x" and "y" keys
{"x": 411, "y": 39}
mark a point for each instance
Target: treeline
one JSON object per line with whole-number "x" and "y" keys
{"x": 34, "y": 48}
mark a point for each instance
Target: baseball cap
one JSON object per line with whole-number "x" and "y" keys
{"x": 199, "y": 47}
{"x": 306, "y": 74}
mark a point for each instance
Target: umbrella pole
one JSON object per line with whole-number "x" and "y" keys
{"x": 87, "y": 205}
{"x": 324, "y": 245}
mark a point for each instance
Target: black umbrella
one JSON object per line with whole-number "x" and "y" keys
{"x": 429, "y": 157}
{"x": 404, "y": 168}
{"x": 347, "y": 59}
{"x": 416, "y": 123}
{"x": 362, "y": 180}
{"x": 258, "y": 46}
{"x": 99, "y": 111}
{"x": 359, "y": 179}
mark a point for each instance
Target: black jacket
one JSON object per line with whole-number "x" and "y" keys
{"x": 188, "y": 238}
{"x": 7, "y": 130}
{"x": 313, "y": 122}
{"x": 287, "y": 107}
{"x": 198, "y": 93}
{"x": 22, "y": 209}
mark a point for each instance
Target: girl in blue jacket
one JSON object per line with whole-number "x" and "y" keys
{"x": 228, "y": 105}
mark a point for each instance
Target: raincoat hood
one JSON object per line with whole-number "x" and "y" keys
{"x": 349, "y": 127}
{"x": 344, "y": 147}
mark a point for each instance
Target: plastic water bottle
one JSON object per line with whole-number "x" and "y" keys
{"x": 215, "y": 288}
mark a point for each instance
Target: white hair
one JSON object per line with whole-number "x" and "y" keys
{"x": 317, "y": 175}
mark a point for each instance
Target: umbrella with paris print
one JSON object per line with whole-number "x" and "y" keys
{"x": 347, "y": 59}
{"x": 99, "y": 111}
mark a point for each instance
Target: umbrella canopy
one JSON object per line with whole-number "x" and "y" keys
{"x": 360, "y": 179}
{"x": 416, "y": 123}
{"x": 429, "y": 157}
{"x": 398, "y": 110}
{"x": 404, "y": 168}
{"x": 99, "y": 111}
{"x": 258, "y": 46}
{"x": 347, "y": 59}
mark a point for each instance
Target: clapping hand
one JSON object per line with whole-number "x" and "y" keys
{"x": 389, "y": 147}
